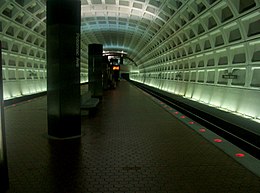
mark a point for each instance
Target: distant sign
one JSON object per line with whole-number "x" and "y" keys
{"x": 116, "y": 67}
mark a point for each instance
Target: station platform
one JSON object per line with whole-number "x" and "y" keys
{"x": 132, "y": 144}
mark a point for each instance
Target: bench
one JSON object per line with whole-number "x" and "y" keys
{"x": 87, "y": 102}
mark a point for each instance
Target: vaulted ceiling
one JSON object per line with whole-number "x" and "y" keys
{"x": 132, "y": 26}
{"x": 125, "y": 25}
{"x": 151, "y": 32}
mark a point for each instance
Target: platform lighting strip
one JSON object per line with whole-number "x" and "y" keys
{"x": 245, "y": 159}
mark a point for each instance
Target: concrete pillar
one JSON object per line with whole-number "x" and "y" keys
{"x": 4, "y": 182}
{"x": 95, "y": 66}
{"x": 105, "y": 72}
{"x": 63, "y": 68}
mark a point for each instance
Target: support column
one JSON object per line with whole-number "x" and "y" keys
{"x": 4, "y": 182}
{"x": 95, "y": 63}
{"x": 105, "y": 72}
{"x": 63, "y": 68}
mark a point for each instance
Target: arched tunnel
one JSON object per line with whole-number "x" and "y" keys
{"x": 203, "y": 53}
{"x": 189, "y": 48}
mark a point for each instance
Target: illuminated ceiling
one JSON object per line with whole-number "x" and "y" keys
{"x": 125, "y": 25}
{"x": 131, "y": 26}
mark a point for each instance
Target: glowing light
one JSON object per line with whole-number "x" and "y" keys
{"x": 218, "y": 140}
{"x": 202, "y": 130}
{"x": 183, "y": 117}
{"x": 176, "y": 113}
{"x": 240, "y": 155}
{"x": 191, "y": 122}
{"x": 116, "y": 68}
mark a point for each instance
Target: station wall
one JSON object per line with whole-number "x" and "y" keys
{"x": 209, "y": 52}
{"x": 23, "y": 37}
